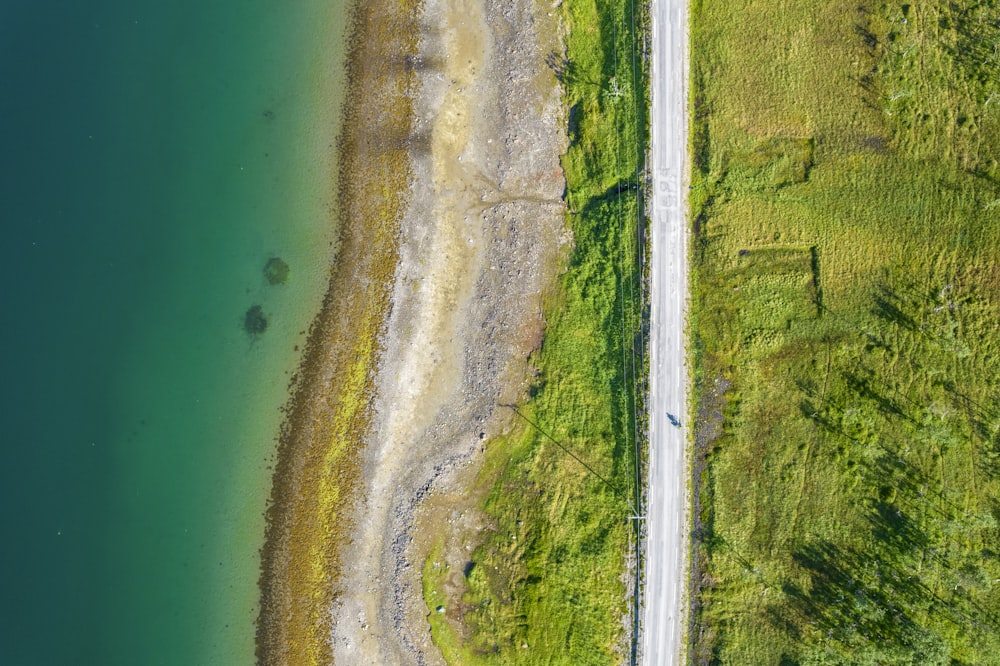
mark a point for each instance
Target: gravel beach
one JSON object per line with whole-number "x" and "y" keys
{"x": 463, "y": 255}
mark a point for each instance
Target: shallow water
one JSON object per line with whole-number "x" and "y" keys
{"x": 154, "y": 156}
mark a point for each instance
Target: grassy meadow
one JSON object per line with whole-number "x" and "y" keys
{"x": 547, "y": 583}
{"x": 846, "y": 301}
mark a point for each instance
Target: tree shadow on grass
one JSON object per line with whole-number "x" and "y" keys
{"x": 854, "y": 593}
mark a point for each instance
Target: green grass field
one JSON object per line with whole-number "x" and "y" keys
{"x": 546, "y": 584}
{"x": 846, "y": 301}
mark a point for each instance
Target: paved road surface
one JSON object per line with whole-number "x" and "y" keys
{"x": 664, "y": 614}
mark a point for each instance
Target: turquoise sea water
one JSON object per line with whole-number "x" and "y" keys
{"x": 153, "y": 157}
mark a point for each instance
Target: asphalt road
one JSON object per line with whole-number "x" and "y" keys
{"x": 664, "y": 613}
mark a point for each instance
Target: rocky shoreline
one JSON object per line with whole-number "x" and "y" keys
{"x": 448, "y": 273}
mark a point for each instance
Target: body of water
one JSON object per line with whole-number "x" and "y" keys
{"x": 154, "y": 157}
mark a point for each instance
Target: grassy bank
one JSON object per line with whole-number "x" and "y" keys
{"x": 846, "y": 300}
{"x": 547, "y": 582}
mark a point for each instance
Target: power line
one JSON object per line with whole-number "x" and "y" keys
{"x": 639, "y": 148}
{"x": 636, "y": 254}
{"x": 626, "y": 255}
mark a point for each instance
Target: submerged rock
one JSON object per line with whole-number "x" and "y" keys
{"x": 276, "y": 270}
{"x": 255, "y": 322}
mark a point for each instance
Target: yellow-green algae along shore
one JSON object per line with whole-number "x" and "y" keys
{"x": 328, "y": 414}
